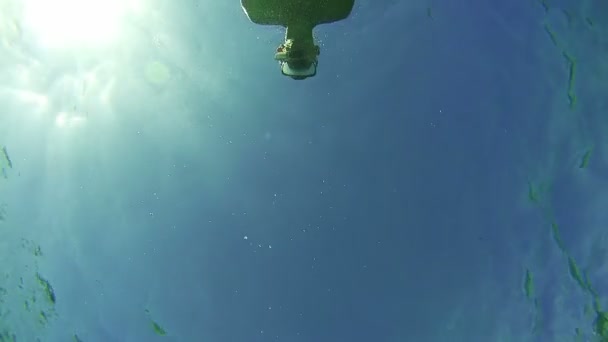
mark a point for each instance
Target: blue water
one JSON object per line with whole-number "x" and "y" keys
{"x": 169, "y": 184}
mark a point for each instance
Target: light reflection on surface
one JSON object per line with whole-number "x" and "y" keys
{"x": 61, "y": 23}
{"x": 57, "y": 57}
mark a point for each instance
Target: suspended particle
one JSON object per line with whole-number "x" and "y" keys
{"x": 48, "y": 289}
{"x": 556, "y": 236}
{"x": 6, "y": 336}
{"x": 544, "y": 4}
{"x": 568, "y": 57}
{"x": 571, "y": 79}
{"x": 532, "y": 193}
{"x": 575, "y": 273}
{"x": 43, "y": 318}
{"x": 551, "y": 35}
{"x": 6, "y": 156}
{"x": 590, "y": 288}
{"x": 569, "y": 16}
{"x": 601, "y": 325}
{"x": 585, "y": 161}
{"x": 529, "y": 284}
{"x": 158, "y": 329}
{"x": 572, "y": 99}
{"x": 155, "y": 326}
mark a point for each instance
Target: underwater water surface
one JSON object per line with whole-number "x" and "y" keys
{"x": 443, "y": 177}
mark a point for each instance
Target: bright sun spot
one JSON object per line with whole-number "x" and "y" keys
{"x": 64, "y": 120}
{"x": 75, "y": 22}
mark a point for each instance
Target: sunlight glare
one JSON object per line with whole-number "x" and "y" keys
{"x": 75, "y": 22}
{"x": 39, "y": 101}
{"x": 65, "y": 120}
